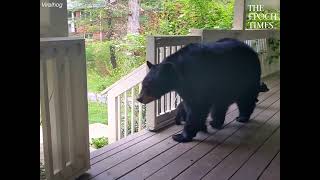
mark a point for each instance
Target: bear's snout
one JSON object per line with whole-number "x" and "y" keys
{"x": 145, "y": 99}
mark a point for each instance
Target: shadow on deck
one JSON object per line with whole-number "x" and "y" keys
{"x": 238, "y": 151}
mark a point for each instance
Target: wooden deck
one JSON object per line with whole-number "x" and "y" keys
{"x": 238, "y": 151}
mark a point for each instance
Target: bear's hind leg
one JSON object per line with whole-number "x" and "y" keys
{"x": 246, "y": 106}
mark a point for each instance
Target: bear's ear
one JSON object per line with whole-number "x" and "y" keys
{"x": 149, "y": 64}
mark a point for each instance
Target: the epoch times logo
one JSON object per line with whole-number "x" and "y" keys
{"x": 51, "y": 5}
{"x": 259, "y": 19}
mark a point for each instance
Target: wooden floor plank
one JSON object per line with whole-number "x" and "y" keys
{"x": 119, "y": 143}
{"x": 259, "y": 160}
{"x": 155, "y": 164}
{"x": 145, "y": 156}
{"x": 273, "y": 170}
{"x": 186, "y": 160}
{"x": 115, "y": 159}
{"x": 120, "y": 148}
{"x": 232, "y": 162}
{"x": 214, "y": 157}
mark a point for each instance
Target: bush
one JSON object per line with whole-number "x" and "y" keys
{"x": 130, "y": 53}
{"x": 181, "y": 15}
{"x": 99, "y": 142}
{"x": 98, "y": 55}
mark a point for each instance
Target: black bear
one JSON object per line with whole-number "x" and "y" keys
{"x": 263, "y": 88}
{"x": 181, "y": 113}
{"x": 208, "y": 77}
{"x": 181, "y": 116}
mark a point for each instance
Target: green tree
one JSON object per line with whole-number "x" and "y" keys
{"x": 179, "y": 16}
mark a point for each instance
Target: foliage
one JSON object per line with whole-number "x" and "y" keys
{"x": 99, "y": 142}
{"x": 150, "y": 16}
{"x": 274, "y": 45}
{"x": 42, "y": 172}
{"x": 109, "y": 18}
{"x": 130, "y": 54}
{"x": 179, "y": 16}
{"x": 98, "y": 55}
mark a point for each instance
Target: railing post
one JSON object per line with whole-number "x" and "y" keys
{"x": 112, "y": 117}
{"x": 150, "y": 107}
{"x": 63, "y": 100}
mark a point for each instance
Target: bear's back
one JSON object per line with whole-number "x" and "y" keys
{"x": 224, "y": 66}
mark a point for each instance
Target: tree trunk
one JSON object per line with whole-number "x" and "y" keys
{"x": 133, "y": 17}
{"x": 109, "y": 19}
{"x": 110, "y": 33}
{"x": 113, "y": 57}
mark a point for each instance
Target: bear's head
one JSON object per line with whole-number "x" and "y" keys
{"x": 159, "y": 81}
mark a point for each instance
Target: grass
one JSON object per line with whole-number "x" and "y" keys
{"x": 97, "y": 113}
{"x": 95, "y": 82}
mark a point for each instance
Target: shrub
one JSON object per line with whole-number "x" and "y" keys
{"x": 99, "y": 142}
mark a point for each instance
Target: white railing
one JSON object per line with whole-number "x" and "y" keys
{"x": 63, "y": 106}
{"x": 125, "y": 114}
{"x": 160, "y": 112}
{"x": 121, "y": 95}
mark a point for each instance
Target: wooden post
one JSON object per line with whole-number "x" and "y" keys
{"x": 239, "y": 17}
{"x": 63, "y": 100}
{"x": 150, "y": 107}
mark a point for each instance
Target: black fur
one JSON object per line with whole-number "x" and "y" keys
{"x": 208, "y": 77}
{"x": 181, "y": 113}
{"x": 181, "y": 116}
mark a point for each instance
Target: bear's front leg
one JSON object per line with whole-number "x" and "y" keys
{"x": 194, "y": 123}
{"x": 181, "y": 114}
{"x": 218, "y": 114}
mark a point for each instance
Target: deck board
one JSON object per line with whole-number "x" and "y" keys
{"x": 120, "y": 143}
{"x": 186, "y": 160}
{"x": 156, "y": 163}
{"x": 113, "y": 160}
{"x": 233, "y": 161}
{"x": 273, "y": 170}
{"x": 215, "y": 156}
{"x": 259, "y": 160}
{"x": 120, "y": 148}
{"x": 238, "y": 151}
